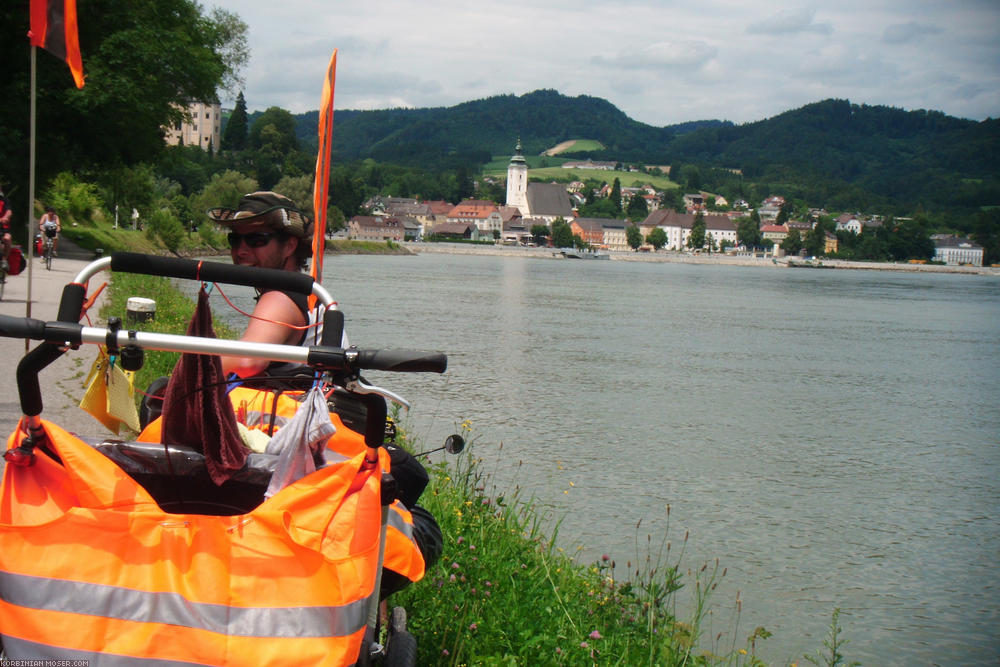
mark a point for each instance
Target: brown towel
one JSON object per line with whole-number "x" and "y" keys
{"x": 196, "y": 408}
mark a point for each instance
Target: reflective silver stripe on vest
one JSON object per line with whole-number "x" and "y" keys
{"x": 22, "y": 649}
{"x": 173, "y": 609}
{"x": 397, "y": 521}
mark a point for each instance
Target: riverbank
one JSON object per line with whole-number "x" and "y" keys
{"x": 685, "y": 258}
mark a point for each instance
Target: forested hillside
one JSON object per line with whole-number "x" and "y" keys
{"x": 831, "y": 153}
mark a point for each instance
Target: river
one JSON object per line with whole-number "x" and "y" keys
{"x": 830, "y": 436}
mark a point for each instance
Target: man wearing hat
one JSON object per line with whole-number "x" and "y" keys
{"x": 268, "y": 230}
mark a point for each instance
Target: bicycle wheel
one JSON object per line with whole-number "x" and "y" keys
{"x": 3, "y": 282}
{"x": 48, "y": 256}
{"x": 400, "y": 645}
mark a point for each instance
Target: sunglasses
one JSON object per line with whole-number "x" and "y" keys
{"x": 252, "y": 239}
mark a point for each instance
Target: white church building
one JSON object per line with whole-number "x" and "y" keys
{"x": 543, "y": 202}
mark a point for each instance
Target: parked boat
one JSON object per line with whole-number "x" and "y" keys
{"x": 579, "y": 253}
{"x": 808, "y": 264}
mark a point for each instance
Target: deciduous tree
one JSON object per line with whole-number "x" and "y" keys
{"x": 633, "y": 236}
{"x": 143, "y": 60}
{"x": 657, "y": 238}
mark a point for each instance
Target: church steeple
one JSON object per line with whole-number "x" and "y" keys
{"x": 517, "y": 181}
{"x": 518, "y": 158}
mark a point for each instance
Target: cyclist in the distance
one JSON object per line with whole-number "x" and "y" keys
{"x": 50, "y": 225}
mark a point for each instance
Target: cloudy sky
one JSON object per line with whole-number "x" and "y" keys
{"x": 659, "y": 61}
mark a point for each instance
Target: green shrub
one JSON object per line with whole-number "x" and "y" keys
{"x": 71, "y": 198}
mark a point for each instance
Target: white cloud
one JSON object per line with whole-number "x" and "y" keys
{"x": 790, "y": 21}
{"x": 660, "y": 63}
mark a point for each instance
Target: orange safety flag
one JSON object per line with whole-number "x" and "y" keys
{"x": 92, "y": 569}
{"x": 53, "y": 27}
{"x": 321, "y": 184}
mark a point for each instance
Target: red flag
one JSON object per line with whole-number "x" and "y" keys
{"x": 53, "y": 27}
{"x": 321, "y": 184}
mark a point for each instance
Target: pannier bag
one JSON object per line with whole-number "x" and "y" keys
{"x": 91, "y": 568}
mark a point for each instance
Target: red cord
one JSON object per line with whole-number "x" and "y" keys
{"x": 232, "y": 305}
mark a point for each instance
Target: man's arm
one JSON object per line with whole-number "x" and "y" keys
{"x": 270, "y": 324}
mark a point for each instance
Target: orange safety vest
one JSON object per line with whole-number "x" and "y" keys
{"x": 256, "y": 407}
{"x": 92, "y": 569}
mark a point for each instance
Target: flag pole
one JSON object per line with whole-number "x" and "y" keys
{"x": 321, "y": 182}
{"x": 31, "y": 189}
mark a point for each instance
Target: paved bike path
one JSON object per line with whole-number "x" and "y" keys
{"x": 62, "y": 381}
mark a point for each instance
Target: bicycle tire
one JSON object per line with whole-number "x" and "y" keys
{"x": 48, "y": 260}
{"x": 401, "y": 650}
{"x": 3, "y": 282}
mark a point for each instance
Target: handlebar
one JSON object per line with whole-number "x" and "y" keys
{"x": 67, "y": 331}
{"x": 319, "y": 357}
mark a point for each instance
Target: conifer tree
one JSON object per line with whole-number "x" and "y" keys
{"x": 616, "y": 195}
{"x": 235, "y": 137}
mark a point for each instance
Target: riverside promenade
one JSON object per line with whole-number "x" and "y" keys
{"x": 686, "y": 258}
{"x": 62, "y": 382}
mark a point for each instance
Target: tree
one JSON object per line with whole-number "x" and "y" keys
{"x": 602, "y": 208}
{"x": 637, "y": 209}
{"x": 697, "y": 236}
{"x": 986, "y": 232}
{"x": 539, "y": 233}
{"x": 673, "y": 199}
{"x": 616, "y": 195}
{"x": 784, "y": 213}
{"x": 792, "y": 243}
{"x": 657, "y": 238}
{"x": 633, "y": 236}
{"x": 815, "y": 241}
{"x": 144, "y": 61}
{"x": 690, "y": 176}
{"x": 274, "y": 129}
{"x": 224, "y": 189}
{"x": 748, "y": 232}
{"x": 237, "y": 128}
{"x": 562, "y": 235}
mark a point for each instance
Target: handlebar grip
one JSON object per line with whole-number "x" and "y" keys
{"x": 217, "y": 272}
{"x": 402, "y": 361}
{"x": 21, "y": 327}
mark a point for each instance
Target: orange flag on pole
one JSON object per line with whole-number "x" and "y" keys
{"x": 53, "y": 27}
{"x": 321, "y": 184}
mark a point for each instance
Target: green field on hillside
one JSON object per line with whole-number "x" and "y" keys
{"x": 576, "y": 146}
{"x": 554, "y": 172}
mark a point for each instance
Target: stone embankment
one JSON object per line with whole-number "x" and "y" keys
{"x": 685, "y": 258}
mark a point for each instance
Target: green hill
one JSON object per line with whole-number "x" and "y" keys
{"x": 832, "y": 153}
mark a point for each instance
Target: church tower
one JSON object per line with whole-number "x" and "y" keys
{"x": 517, "y": 181}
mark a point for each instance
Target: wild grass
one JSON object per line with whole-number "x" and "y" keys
{"x": 505, "y": 593}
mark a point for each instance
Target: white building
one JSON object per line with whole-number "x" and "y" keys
{"x": 517, "y": 181}
{"x": 954, "y": 250}
{"x": 203, "y": 129}
{"x": 546, "y": 201}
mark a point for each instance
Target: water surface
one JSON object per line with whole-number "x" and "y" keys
{"x": 830, "y": 436}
